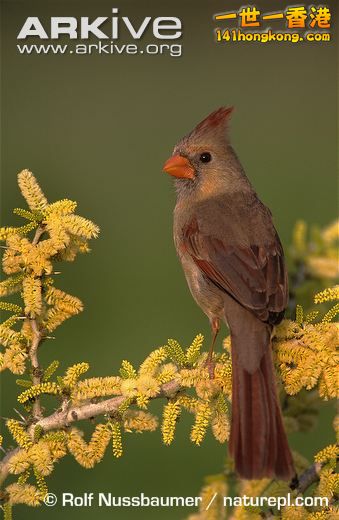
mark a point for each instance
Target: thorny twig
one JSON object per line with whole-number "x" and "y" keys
{"x": 63, "y": 417}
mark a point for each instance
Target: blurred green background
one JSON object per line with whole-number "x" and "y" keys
{"x": 97, "y": 129}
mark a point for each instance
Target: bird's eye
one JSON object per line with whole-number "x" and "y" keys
{"x": 205, "y": 157}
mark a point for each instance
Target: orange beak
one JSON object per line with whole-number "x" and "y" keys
{"x": 179, "y": 166}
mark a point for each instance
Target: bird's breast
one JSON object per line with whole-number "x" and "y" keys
{"x": 205, "y": 293}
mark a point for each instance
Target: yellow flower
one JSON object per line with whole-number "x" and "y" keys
{"x": 221, "y": 427}
{"x": 88, "y": 455}
{"x": 19, "y": 462}
{"x": 116, "y": 439}
{"x": 193, "y": 351}
{"x": 152, "y": 361}
{"x": 310, "y": 359}
{"x": 148, "y": 386}
{"x": 139, "y": 421}
{"x": 15, "y": 359}
{"x": 61, "y": 207}
{"x": 190, "y": 377}
{"x": 73, "y": 373}
{"x": 19, "y": 434}
{"x": 127, "y": 370}
{"x": 31, "y": 191}
{"x": 40, "y": 457}
{"x": 294, "y": 513}
{"x": 97, "y": 387}
{"x": 207, "y": 388}
{"x": 36, "y": 390}
{"x": 167, "y": 372}
{"x": 223, "y": 376}
{"x": 56, "y": 442}
{"x": 329, "y": 294}
{"x": 329, "y": 483}
{"x": 129, "y": 387}
{"x": 202, "y": 420}
{"x": 32, "y": 295}
{"x": 330, "y": 452}
{"x": 212, "y": 494}
{"x": 24, "y": 494}
{"x": 170, "y": 416}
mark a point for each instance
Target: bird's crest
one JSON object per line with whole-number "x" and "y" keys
{"x": 213, "y": 126}
{"x": 219, "y": 117}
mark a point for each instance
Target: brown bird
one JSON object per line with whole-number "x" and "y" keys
{"x": 234, "y": 266}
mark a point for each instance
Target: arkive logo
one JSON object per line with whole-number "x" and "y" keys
{"x": 102, "y": 27}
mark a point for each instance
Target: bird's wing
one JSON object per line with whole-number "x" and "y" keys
{"x": 253, "y": 275}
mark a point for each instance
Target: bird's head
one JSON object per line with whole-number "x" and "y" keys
{"x": 203, "y": 158}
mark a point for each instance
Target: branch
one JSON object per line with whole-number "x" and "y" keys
{"x": 64, "y": 417}
{"x": 33, "y": 351}
{"x": 307, "y": 478}
{"x": 38, "y": 234}
{"x": 5, "y": 463}
{"x": 36, "y": 370}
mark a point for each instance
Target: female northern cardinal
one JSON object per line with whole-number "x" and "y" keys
{"x": 234, "y": 265}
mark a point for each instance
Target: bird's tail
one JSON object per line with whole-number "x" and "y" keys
{"x": 258, "y": 440}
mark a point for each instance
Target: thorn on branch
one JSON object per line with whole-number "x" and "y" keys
{"x": 74, "y": 415}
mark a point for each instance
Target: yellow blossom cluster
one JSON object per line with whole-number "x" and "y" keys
{"x": 57, "y": 444}
{"x": 116, "y": 439}
{"x": 152, "y": 362}
{"x": 331, "y": 452}
{"x": 31, "y": 191}
{"x": 211, "y": 504}
{"x": 59, "y": 235}
{"x": 63, "y": 306}
{"x": 328, "y": 486}
{"x": 328, "y": 483}
{"x": 39, "y": 456}
{"x": 139, "y": 421}
{"x": 89, "y": 454}
{"x": 32, "y": 295}
{"x": 36, "y": 390}
{"x": 170, "y": 416}
{"x": 24, "y": 494}
{"x": 308, "y": 358}
{"x": 209, "y": 407}
{"x": 19, "y": 434}
{"x": 305, "y": 356}
{"x": 14, "y": 358}
{"x": 202, "y": 420}
{"x": 96, "y": 387}
{"x": 327, "y": 295}
{"x": 73, "y": 373}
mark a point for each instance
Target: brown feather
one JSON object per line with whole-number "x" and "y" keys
{"x": 234, "y": 265}
{"x": 253, "y": 275}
